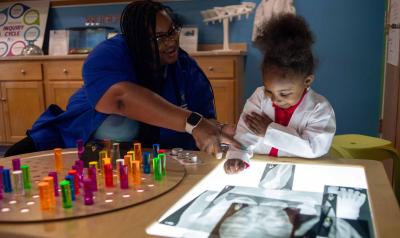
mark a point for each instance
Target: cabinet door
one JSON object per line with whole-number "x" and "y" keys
{"x": 60, "y": 92}
{"x": 224, "y": 100}
{"x": 23, "y": 103}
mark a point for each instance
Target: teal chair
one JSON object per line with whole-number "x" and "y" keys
{"x": 354, "y": 146}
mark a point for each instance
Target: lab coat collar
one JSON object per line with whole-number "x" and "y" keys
{"x": 305, "y": 106}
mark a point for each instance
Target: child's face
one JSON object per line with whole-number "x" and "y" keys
{"x": 285, "y": 89}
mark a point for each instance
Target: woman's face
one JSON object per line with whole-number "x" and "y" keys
{"x": 167, "y": 37}
{"x": 285, "y": 89}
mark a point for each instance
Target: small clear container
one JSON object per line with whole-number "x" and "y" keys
{"x": 82, "y": 40}
{"x": 31, "y": 49}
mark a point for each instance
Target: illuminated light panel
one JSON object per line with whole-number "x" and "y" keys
{"x": 311, "y": 178}
{"x": 12, "y": 202}
{"x": 150, "y": 185}
{"x": 30, "y": 203}
{"x": 126, "y": 196}
{"x": 140, "y": 190}
{"x": 108, "y": 200}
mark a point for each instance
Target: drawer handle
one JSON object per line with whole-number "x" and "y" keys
{"x": 65, "y": 71}
{"x": 3, "y": 99}
{"x": 23, "y": 71}
{"x": 210, "y": 68}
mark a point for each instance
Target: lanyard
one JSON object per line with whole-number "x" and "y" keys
{"x": 179, "y": 93}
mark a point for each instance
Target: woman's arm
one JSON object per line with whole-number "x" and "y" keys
{"x": 138, "y": 103}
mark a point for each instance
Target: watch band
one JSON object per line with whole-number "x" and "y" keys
{"x": 192, "y": 121}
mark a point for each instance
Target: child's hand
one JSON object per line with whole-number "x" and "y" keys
{"x": 233, "y": 166}
{"x": 257, "y": 123}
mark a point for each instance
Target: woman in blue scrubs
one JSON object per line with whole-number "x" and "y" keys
{"x": 139, "y": 85}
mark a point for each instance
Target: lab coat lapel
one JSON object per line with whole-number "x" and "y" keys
{"x": 302, "y": 111}
{"x": 267, "y": 107}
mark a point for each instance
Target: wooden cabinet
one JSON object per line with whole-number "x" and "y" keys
{"x": 224, "y": 70}
{"x": 20, "y": 70}
{"x": 62, "y": 78}
{"x": 60, "y": 92}
{"x": 2, "y": 126}
{"x": 28, "y": 85}
{"x": 22, "y": 98}
{"x": 23, "y": 104}
{"x": 224, "y": 100}
{"x": 225, "y": 73}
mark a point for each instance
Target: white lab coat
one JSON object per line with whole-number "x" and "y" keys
{"x": 309, "y": 133}
{"x": 268, "y": 8}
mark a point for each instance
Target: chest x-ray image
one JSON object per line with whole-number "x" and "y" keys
{"x": 273, "y": 200}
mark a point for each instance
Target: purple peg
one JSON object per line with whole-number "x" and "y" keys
{"x": 123, "y": 177}
{"x": 16, "y": 164}
{"x": 80, "y": 148}
{"x": 1, "y": 182}
{"x": 80, "y": 165}
{"x": 93, "y": 176}
{"x": 88, "y": 193}
{"x": 55, "y": 179}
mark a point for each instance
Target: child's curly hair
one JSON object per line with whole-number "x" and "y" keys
{"x": 286, "y": 42}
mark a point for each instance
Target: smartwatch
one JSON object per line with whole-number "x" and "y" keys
{"x": 192, "y": 121}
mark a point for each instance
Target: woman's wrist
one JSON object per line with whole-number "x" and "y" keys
{"x": 221, "y": 125}
{"x": 218, "y": 124}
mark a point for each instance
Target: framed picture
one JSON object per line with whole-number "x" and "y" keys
{"x": 188, "y": 38}
{"x": 58, "y": 42}
{"x": 21, "y": 23}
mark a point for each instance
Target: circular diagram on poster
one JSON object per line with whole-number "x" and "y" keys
{"x": 3, "y": 48}
{"x": 31, "y": 17}
{"x": 17, "y": 10}
{"x": 17, "y": 48}
{"x": 32, "y": 33}
{"x": 3, "y": 18}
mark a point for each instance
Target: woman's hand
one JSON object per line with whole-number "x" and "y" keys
{"x": 257, "y": 123}
{"x": 234, "y": 166}
{"x": 209, "y": 136}
{"x": 228, "y": 129}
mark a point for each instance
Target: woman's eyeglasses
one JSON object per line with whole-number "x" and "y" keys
{"x": 172, "y": 34}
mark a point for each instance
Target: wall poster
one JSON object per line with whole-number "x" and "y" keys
{"x": 20, "y": 23}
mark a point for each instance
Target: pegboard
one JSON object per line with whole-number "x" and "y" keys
{"x": 26, "y": 208}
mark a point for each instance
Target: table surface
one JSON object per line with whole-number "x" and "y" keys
{"x": 133, "y": 221}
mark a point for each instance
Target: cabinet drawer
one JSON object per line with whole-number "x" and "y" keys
{"x": 63, "y": 70}
{"x": 20, "y": 71}
{"x": 217, "y": 67}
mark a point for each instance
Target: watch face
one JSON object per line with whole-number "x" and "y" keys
{"x": 193, "y": 119}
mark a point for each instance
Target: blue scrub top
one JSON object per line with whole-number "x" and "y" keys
{"x": 110, "y": 63}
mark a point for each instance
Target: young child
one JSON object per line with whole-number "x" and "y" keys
{"x": 284, "y": 117}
